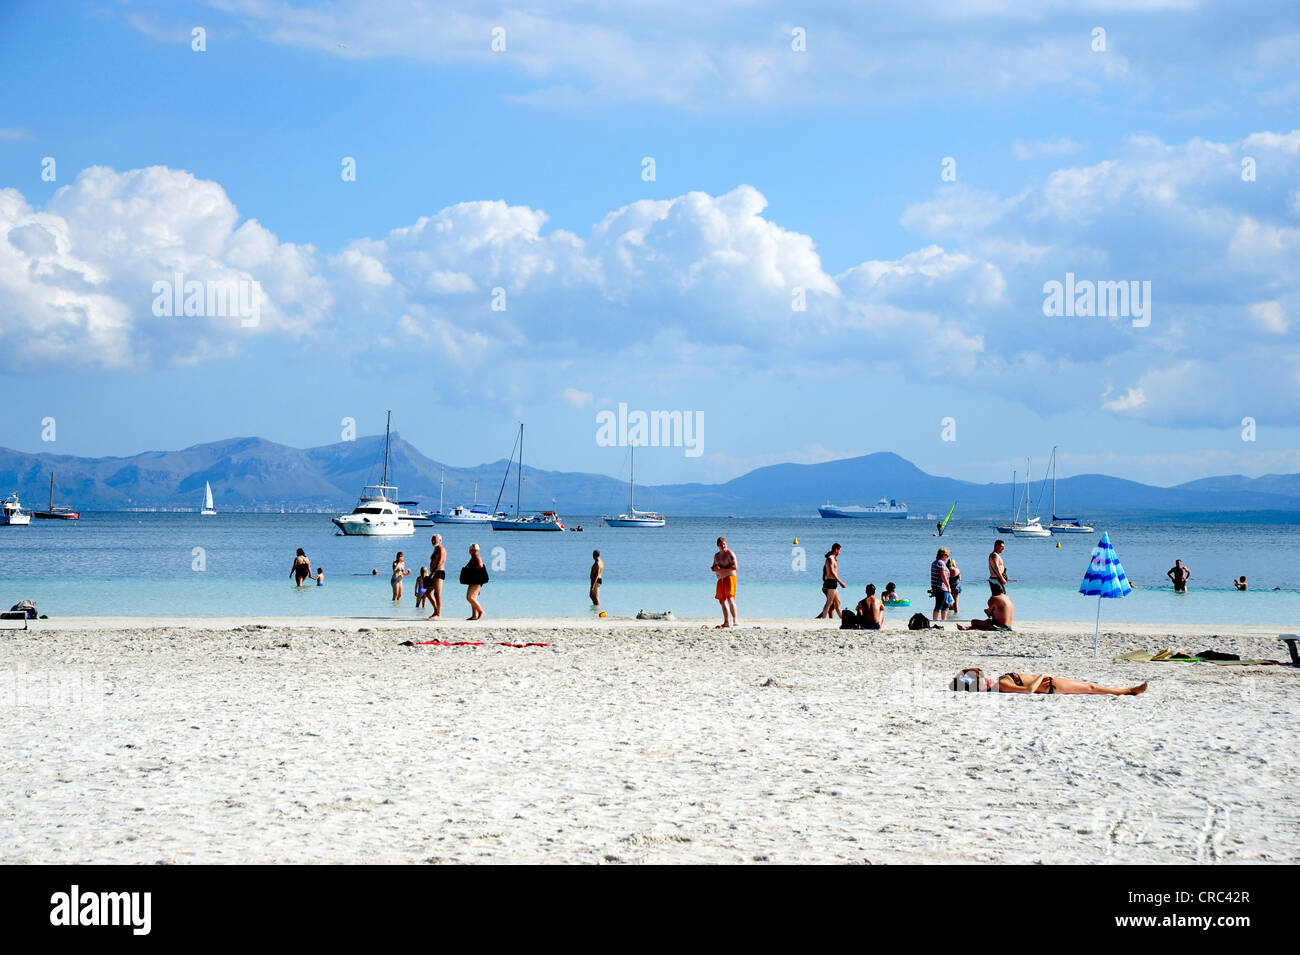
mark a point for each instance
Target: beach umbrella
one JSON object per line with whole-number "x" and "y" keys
{"x": 1105, "y": 578}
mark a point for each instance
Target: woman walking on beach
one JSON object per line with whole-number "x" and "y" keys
{"x": 399, "y": 573}
{"x": 474, "y": 575}
{"x": 300, "y": 570}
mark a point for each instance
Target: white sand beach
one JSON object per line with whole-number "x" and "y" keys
{"x": 324, "y": 740}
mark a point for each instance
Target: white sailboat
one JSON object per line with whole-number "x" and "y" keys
{"x": 208, "y": 509}
{"x": 1064, "y": 525}
{"x": 633, "y": 517}
{"x": 460, "y": 514}
{"x": 1031, "y": 526}
{"x": 538, "y": 521}
{"x": 378, "y": 513}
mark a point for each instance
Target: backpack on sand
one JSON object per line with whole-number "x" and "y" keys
{"x": 918, "y": 621}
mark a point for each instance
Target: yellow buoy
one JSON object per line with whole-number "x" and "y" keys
{"x": 796, "y": 540}
{"x": 1058, "y": 543}
{"x": 602, "y": 613}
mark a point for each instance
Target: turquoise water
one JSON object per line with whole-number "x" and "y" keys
{"x": 114, "y": 564}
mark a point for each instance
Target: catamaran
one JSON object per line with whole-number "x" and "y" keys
{"x": 1064, "y": 525}
{"x": 59, "y": 513}
{"x": 208, "y": 509}
{"x": 539, "y": 521}
{"x": 460, "y": 514}
{"x": 378, "y": 513}
{"x": 633, "y": 517}
{"x": 12, "y": 513}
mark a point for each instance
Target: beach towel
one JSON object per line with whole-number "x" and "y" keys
{"x": 464, "y": 643}
{"x": 1177, "y": 656}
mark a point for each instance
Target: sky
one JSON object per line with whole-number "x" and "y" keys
{"x": 820, "y": 229}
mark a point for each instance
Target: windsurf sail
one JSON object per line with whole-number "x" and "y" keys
{"x": 947, "y": 517}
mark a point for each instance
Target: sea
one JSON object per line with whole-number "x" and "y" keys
{"x": 186, "y": 565}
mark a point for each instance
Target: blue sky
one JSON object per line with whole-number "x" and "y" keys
{"x": 775, "y": 169}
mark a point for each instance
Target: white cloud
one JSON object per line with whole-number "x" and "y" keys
{"x": 577, "y": 398}
{"x": 14, "y": 134}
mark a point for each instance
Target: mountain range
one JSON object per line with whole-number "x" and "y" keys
{"x": 252, "y": 474}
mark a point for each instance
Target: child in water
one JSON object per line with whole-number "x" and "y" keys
{"x": 320, "y": 576}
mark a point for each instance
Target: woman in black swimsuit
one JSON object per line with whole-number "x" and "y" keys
{"x": 301, "y": 568}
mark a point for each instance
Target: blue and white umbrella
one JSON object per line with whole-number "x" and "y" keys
{"x": 1105, "y": 578}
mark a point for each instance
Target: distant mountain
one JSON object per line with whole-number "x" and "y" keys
{"x": 253, "y": 474}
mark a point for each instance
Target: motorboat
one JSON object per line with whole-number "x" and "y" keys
{"x": 56, "y": 513}
{"x": 885, "y": 507}
{"x": 538, "y": 521}
{"x": 378, "y": 513}
{"x": 633, "y": 517}
{"x": 12, "y": 513}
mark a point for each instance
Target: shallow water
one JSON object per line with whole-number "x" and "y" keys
{"x": 147, "y": 565}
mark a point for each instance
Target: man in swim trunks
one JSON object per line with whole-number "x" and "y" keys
{"x": 997, "y": 569}
{"x": 1000, "y": 613}
{"x": 831, "y": 583}
{"x": 597, "y": 573}
{"x": 973, "y": 679}
{"x": 724, "y": 568}
{"x": 1241, "y": 584}
{"x": 437, "y": 574}
{"x": 1179, "y": 575}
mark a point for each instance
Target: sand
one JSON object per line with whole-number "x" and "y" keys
{"x": 301, "y": 740}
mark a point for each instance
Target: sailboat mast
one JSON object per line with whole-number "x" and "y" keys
{"x": 631, "y": 486}
{"x": 441, "y": 481}
{"x": 1053, "y": 482}
{"x": 387, "y": 425}
{"x": 519, "y": 478}
{"x": 51, "y": 490}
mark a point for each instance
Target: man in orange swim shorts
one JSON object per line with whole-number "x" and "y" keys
{"x": 724, "y": 567}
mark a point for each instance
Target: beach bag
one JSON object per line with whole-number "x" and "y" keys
{"x": 469, "y": 574}
{"x": 918, "y": 621}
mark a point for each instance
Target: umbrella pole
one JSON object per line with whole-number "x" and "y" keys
{"x": 1096, "y": 634}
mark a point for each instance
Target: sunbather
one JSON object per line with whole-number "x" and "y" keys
{"x": 974, "y": 680}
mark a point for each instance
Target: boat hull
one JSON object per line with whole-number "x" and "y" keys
{"x": 526, "y": 526}
{"x": 634, "y": 522}
{"x": 16, "y": 520}
{"x": 375, "y": 528}
{"x": 57, "y": 516}
{"x": 864, "y": 514}
{"x": 449, "y": 519}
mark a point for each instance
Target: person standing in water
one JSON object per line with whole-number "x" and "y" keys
{"x": 1179, "y": 575}
{"x": 597, "y": 577}
{"x": 437, "y": 574}
{"x": 300, "y": 570}
{"x": 400, "y": 573}
{"x": 724, "y": 568}
{"x": 831, "y": 583}
{"x": 474, "y": 575}
{"x": 954, "y": 584}
{"x": 1241, "y": 584}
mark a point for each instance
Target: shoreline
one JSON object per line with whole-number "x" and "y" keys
{"x": 374, "y": 623}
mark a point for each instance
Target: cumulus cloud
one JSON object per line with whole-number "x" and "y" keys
{"x": 675, "y": 288}
{"x": 1045, "y": 148}
{"x": 79, "y": 279}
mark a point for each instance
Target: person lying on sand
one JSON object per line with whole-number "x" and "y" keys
{"x": 999, "y": 613}
{"x": 972, "y": 679}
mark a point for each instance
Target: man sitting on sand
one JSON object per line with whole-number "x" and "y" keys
{"x": 973, "y": 680}
{"x": 869, "y": 615}
{"x": 1000, "y": 612}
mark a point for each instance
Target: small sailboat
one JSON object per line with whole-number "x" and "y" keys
{"x": 12, "y": 513}
{"x": 1064, "y": 525}
{"x": 208, "y": 509}
{"x": 539, "y": 521}
{"x": 378, "y": 513}
{"x": 59, "y": 513}
{"x": 633, "y": 517}
{"x": 474, "y": 514}
{"x": 1031, "y": 526}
